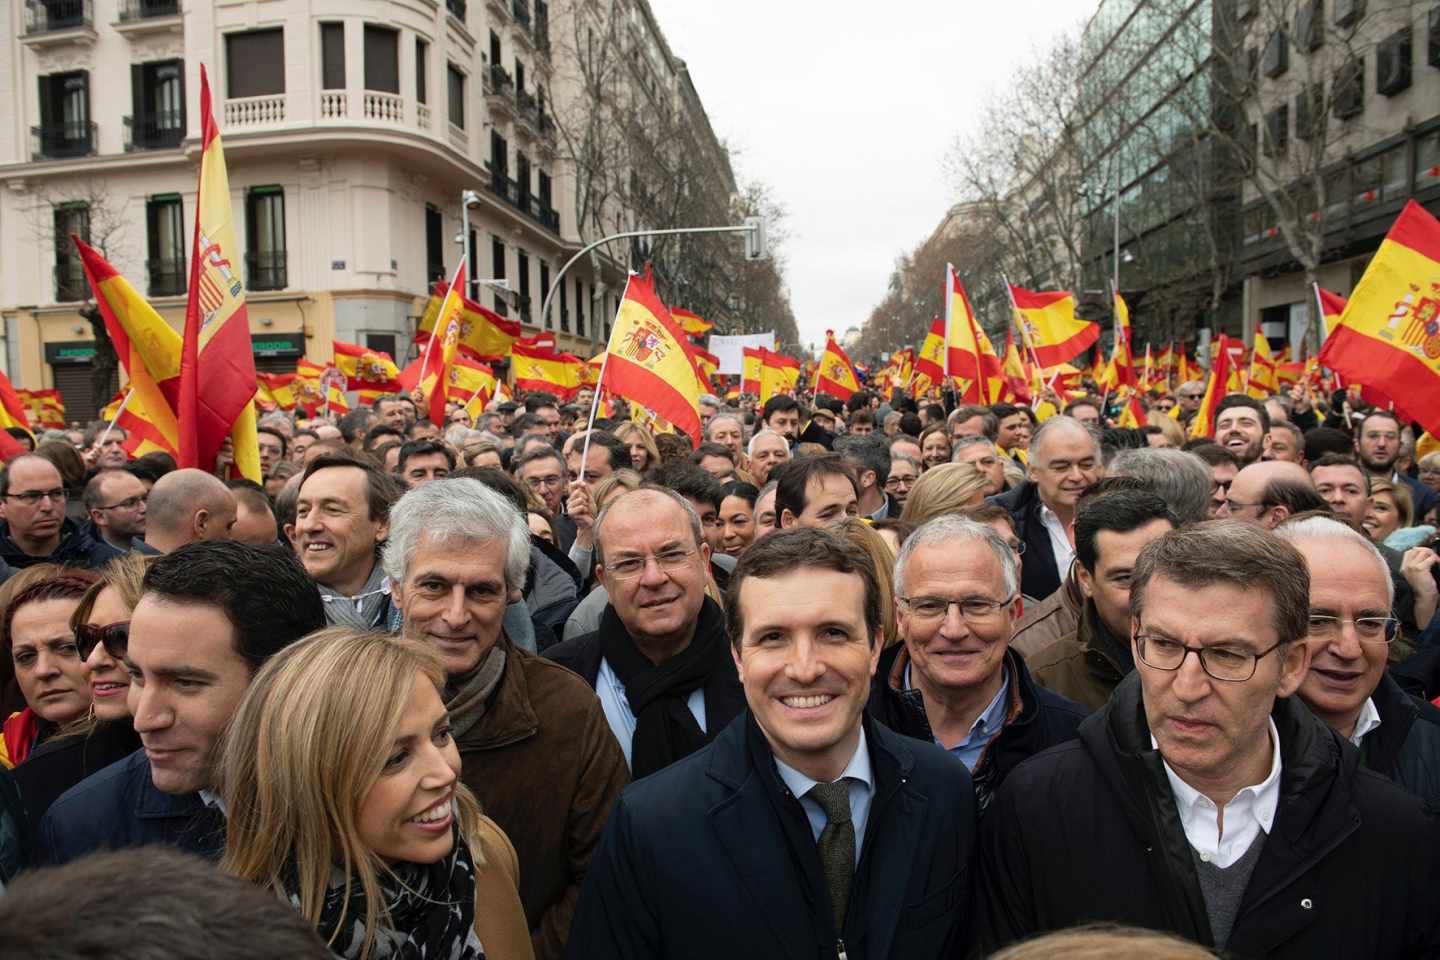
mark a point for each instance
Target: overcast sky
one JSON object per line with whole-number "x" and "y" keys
{"x": 847, "y": 116}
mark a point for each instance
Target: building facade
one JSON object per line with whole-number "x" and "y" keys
{"x": 351, "y": 132}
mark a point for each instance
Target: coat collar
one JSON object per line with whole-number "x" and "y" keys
{"x": 509, "y": 715}
{"x": 151, "y": 803}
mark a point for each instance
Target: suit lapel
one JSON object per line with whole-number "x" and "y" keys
{"x": 892, "y": 842}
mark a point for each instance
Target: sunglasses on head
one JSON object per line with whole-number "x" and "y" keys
{"x": 115, "y": 637}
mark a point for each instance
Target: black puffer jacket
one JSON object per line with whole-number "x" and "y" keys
{"x": 1041, "y": 574}
{"x": 1406, "y": 745}
{"x": 1089, "y": 832}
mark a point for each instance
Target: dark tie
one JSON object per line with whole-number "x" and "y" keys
{"x": 836, "y": 844}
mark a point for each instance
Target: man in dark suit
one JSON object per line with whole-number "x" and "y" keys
{"x": 804, "y": 829}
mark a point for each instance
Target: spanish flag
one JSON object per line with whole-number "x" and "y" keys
{"x": 692, "y": 323}
{"x": 778, "y": 374}
{"x": 370, "y": 373}
{"x": 1215, "y": 390}
{"x": 1185, "y": 371}
{"x": 965, "y": 357}
{"x": 1264, "y": 374}
{"x": 127, "y": 411}
{"x": 536, "y": 366}
{"x": 318, "y": 389}
{"x": 45, "y": 408}
{"x": 217, "y": 361}
{"x": 930, "y": 361}
{"x": 442, "y": 345}
{"x": 12, "y": 414}
{"x": 148, "y": 348}
{"x": 835, "y": 375}
{"x": 648, "y": 363}
{"x": 1332, "y": 306}
{"x": 752, "y": 362}
{"x": 708, "y": 365}
{"x": 1017, "y": 377}
{"x": 1121, "y": 357}
{"x": 484, "y": 334}
{"x": 1047, "y": 320}
{"x": 1132, "y": 415}
{"x": 275, "y": 391}
{"x": 1388, "y": 338}
{"x": 470, "y": 384}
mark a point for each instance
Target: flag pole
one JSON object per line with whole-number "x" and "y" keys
{"x": 111, "y": 425}
{"x": 1034, "y": 357}
{"x": 600, "y": 378}
{"x": 435, "y": 330}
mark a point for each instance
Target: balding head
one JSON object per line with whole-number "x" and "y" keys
{"x": 186, "y": 506}
{"x": 1267, "y": 492}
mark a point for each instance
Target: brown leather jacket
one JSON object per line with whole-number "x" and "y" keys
{"x": 547, "y": 769}
{"x": 1086, "y": 665}
{"x": 1050, "y": 619}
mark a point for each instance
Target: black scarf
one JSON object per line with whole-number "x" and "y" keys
{"x": 665, "y": 730}
{"x": 432, "y": 911}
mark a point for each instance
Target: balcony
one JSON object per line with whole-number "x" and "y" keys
{"x": 381, "y": 107}
{"x": 266, "y": 270}
{"x": 140, "y": 17}
{"x": 527, "y": 203}
{"x": 499, "y": 91}
{"x": 154, "y": 131}
{"x": 56, "y": 22}
{"x": 456, "y": 8}
{"x": 62, "y": 141}
{"x": 242, "y": 112}
{"x": 168, "y": 277}
{"x": 527, "y": 115}
{"x": 70, "y": 285}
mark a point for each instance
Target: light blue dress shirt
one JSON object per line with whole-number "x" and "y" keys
{"x": 617, "y": 707}
{"x": 857, "y": 777}
{"x": 985, "y": 727}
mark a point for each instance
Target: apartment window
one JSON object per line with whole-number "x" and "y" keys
{"x": 165, "y": 235}
{"x": 1276, "y": 59}
{"x": 383, "y": 342}
{"x": 522, "y": 273}
{"x": 564, "y": 308}
{"x": 456, "y": 95}
{"x": 522, "y": 181}
{"x": 1434, "y": 56}
{"x": 1348, "y": 95}
{"x": 472, "y": 287}
{"x": 65, "y": 127}
{"x": 422, "y": 71}
{"x": 494, "y": 47}
{"x": 544, "y": 286}
{"x": 1392, "y": 63}
{"x": 519, "y": 77}
{"x": 543, "y": 191}
{"x": 1310, "y": 26}
{"x": 70, "y": 218}
{"x": 579, "y": 308}
{"x": 1347, "y": 12}
{"x": 265, "y": 238}
{"x": 255, "y": 63}
{"x": 1277, "y": 130}
{"x": 499, "y": 163}
{"x": 382, "y": 59}
{"x": 434, "y": 244}
{"x": 332, "y": 56}
{"x": 1310, "y": 112}
{"x": 497, "y": 269}
{"x": 157, "y": 93}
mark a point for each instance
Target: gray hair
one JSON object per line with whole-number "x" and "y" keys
{"x": 615, "y": 501}
{"x": 724, "y": 415}
{"x": 869, "y": 452}
{"x": 1056, "y": 424}
{"x": 951, "y": 528}
{"x": 1325, "y": 528}
{"x": 970, "y": 441}
{"x": 456, "y": 509}
{"x": 750, "y": 448}
{"x": 710, "y": 400}
{"x": 1180, "y": 478}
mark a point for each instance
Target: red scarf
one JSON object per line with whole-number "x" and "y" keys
{"x": 21, "y": 730}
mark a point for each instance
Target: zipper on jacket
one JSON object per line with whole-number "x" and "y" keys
{"x": 840, "y": 950}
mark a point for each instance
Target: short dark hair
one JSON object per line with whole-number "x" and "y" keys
{"x": 868, "y": 452}
{"x": 688, "y": 480}
{"x": 934, "y": 411}
{"x": 1233, "y": 400}
{"x": 989, "y": 422}
{"x": 151, "y": 466}
{"x": 251, "y": 492}
{"x": 739, "y": 488}
{"x": 712, "y": 450}
{"x": 94, "y": 494}
{"x": 1322, "y": 441}
{"x": 149, "y": 902}
{"x": 1003, "y": 410}
{"x": 381, "y": 489}
{"x": 68, "y": 584}
{"x": 910, "y": 424}
{"x": 263, "y": 591}
{"x": 374, "y": 436}
{"x": 1214, "y": 454}
{"x": 1116, "y": 511}
{"x": 539, "y": 401}
{"x": 1294, "y": 495}
{"x": 860, "y": 416}
{"x": 619, "y": 449}
{"x": 354, "y": 423}
{"x": 1234, "y": 553}
{"x": 802, "y": 548}
{"x": 539, "y": 451}
{"x": 859, "y": 400}
{"x": 792, "y": 480}
{"x": 1340, "y": 460}
{"x": 780, "y": 403}
{"x": 526, "y": 421}
{"x": 423, "y": 448}
{"x": 284, "y": 443}
{"x": 1377, "y": 412}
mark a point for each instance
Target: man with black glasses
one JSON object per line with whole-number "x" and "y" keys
{"x": 1347, "y": 686}
{"x": 1203, "y": 800}
{"x": 116, "y": 501}
{"x": 35, "y": 528}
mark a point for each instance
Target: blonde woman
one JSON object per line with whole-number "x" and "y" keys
{"x": 358, "y": 817}
{"x": 643, "y": 452}
{"x": 944, "y": 488}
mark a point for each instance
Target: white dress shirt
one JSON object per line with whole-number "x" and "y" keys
{"x": 1368, "y": 720}
{"x": 1248, "y": 813}
{"x": 616, "y": 707}
{"x": 857, "y": 777}
{"x": 1059, "y": 540}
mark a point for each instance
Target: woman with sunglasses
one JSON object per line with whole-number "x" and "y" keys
{"x": 358, "y": 818}
{"x": 104, "y": 734}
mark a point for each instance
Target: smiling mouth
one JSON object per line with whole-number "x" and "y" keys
{"x": 434, "y": 815}
{"x": 810, "y": 702}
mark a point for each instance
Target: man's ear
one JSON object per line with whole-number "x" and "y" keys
{"x": 1087, "y": 581}
{"x": 199, "y": 520}
{"x": 1294, "y": 664}
{"x": 785, "y": 513}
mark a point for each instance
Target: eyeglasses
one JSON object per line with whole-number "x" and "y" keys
{"x": 670, "y": 561}
{"x": 129, "y": 503}
{"x": 901, "y": 481}
{"x": 550, "y": 481}
{"x": 115, "y": 637}
{"x": 1229, "y": 664}
{"x": 31, "y": 497}
{"x": 976, "y": 611}
{"x": 1019, "y": 547}
{"x": 1367, "y": 629}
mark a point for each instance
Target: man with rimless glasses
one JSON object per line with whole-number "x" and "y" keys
{"x": 1347, "y": 686}
{"x": 1204, "y": 799}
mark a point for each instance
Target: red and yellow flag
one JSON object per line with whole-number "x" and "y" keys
{"x": 484, "y": 334}
{"x": 1388, "y": 338}
{"x": 217, "y": 361}
{"x": 930, "y": 361}
{"x": 319, "y": 388}
{"x": 1185, "y": 371}
{"x": 45, "y": 408}
{"x": 1132, "y": 414}
{"x": 965, "y": 355}
{"x": 141, "y": 436}
{"x": 1017, "y": 377}
{"x": 691, "y": 322}
{"x": 1332, "y": 306}
{"x": 778, "y": 374}
{"x": 442, "y": 345}
{"x": 1048, "y": 323}
{"x": 647, "y": 363}
{"x": 708, "y": 364}
{"x": 470, "y": 384}
{"x": 836, "y": 375}
{"x": 371, "y": 373}
{"x": 1121, "y": 357}
{"x": 535, "y": 366}
{"x": 1215, "y": 390}
{"x": 12, "y": 414}
{"x": 752, "y": 362}
{"x": 275, "y": 391}
{"x": 1264, "y": 372}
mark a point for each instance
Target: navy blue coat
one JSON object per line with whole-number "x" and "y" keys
{"x": 120, "y": 807}
{"x": 1041, "y": 574}
{"x": 713, "y": 857}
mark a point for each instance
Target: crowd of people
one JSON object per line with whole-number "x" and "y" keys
{"x": 893, "y": 677}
